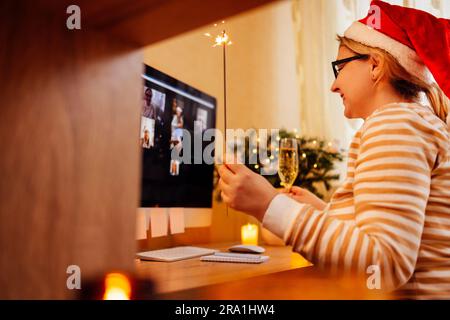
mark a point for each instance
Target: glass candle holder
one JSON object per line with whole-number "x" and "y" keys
{"x": 249, "y": 234}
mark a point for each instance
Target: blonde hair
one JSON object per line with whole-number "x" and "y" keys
{"x": 407, "y": 85}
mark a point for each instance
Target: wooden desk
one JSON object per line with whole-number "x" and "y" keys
{"x": 297, "y": 284}
{"x": 172, "y": 277}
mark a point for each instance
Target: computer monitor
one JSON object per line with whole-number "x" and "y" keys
{"x": 172, "y": 109}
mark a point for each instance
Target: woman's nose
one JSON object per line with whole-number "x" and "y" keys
{"x": 334, "y": 87}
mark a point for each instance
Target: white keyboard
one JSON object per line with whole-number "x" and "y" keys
{"x": 175, "y": 254}
{"x": 235, "y": 258}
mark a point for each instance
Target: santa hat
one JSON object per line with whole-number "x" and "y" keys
{"x": 418, "y": 40}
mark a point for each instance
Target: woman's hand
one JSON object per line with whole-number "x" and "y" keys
{"x": 305, "y": 196}
{"x": 244, "y": 190}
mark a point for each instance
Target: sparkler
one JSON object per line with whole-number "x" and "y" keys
{"x": 223, "y": 40}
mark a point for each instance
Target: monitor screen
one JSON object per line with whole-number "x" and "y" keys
{"x": 171, "y": 111}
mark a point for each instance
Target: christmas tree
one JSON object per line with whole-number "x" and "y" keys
{"x": 317, "y": 160}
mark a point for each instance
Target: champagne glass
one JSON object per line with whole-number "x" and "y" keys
{"x": 288, "y": 162}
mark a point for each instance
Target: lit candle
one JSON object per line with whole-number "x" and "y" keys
{"x": 117, "y": 287}
{"x": 249, "y": 234}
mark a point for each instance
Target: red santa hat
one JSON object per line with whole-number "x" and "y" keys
{"x": 418, "y": 40}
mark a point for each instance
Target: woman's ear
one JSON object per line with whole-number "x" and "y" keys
{"x": 376, "y": 67}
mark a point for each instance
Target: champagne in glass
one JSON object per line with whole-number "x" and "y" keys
{"x": 288, "y": 162}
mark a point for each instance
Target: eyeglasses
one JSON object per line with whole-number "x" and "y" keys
{"x": 335, "y": 64}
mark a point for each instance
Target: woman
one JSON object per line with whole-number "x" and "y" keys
{"x": 393, "y": 210}
{"x": 145, "y": 141}
{"x": 177, "y": 123}
{"x": 148, "y": 110}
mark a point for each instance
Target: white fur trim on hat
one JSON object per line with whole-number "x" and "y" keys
{"x": 406, "y": 56}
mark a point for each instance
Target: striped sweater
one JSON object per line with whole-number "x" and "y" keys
{"x": 392, "y": 211}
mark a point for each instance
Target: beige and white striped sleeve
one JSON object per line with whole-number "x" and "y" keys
{"x": 391, "y": 189}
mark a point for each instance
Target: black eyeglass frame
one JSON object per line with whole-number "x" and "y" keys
{"x": 336, "y": 63}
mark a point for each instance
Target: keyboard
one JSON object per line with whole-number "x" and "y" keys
{"x": 235, "y": 258}
{"x": 175, "y": 254}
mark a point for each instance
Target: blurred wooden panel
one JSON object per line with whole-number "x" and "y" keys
{"x": 69, "y": 122}
{"x": 147, "y": 21}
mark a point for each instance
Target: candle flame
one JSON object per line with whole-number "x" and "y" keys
{"x": 249, "y": 232}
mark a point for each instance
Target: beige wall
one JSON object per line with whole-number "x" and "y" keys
{"x": 262, "y": 83}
